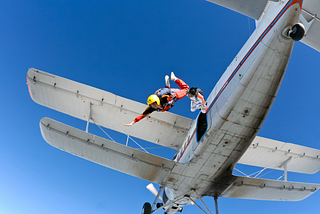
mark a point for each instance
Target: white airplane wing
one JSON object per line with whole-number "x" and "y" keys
{"x": 251, "y": 8}
{"x": 311, "y": 20}
{"x": 274, "y": 154}
{"x": 255, "y": 8}
{"x": 114, "y": 155}
{"x": 263, "y": 189}
{"x": 106, "y": 109}
{"x": 105, "y": 152}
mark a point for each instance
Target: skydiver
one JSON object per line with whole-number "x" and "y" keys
{"x": 197, "y": 100}
{"x": 164, "y": 98}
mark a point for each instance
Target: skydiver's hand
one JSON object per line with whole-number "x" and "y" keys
{"x": 203, "y": 108}
{"x": 130, "y": 124}
{"x": 173, "y": 95}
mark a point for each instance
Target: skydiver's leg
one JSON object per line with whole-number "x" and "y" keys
{"x": 184, "y": 87}
{"x": 166, "y": 79}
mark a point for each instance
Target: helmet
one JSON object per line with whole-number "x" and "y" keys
{"x": 193, "y": 91}
{"x": 153, "y": 98}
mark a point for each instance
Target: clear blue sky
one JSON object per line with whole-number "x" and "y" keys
{"x": 127, "y": 47}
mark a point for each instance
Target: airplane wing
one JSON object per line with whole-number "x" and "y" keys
{"x": 255, "y": 8}
{"x": 274, "y": 154}
{"x": 311, "y": 20}
{"x": 106, "y": 109}
{"x": 251, "y": 8}
{"x": 263, "y": 189}
{"x": 105, "y": 152}
{"x": 114, "y": 155}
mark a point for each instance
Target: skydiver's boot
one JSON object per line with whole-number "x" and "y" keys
{"x": 173, "y": 77}
{"x": 166, "y": 79}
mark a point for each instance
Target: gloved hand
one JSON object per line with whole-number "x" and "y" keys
{"x": 203, "y": 108}
{"x": 173, "y": 95}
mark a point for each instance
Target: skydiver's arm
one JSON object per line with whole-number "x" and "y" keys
{"x": 201, "y": 98}
{"x": 146, "y": 112}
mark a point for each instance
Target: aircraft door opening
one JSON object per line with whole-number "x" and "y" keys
{"x": 202, "y": 126}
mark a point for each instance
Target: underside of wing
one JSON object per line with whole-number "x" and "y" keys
{"x": 262, "y": 189}
{"x": 311, "y": 20}
{"x": 116, "y": 156}
{"x": 274, "y": 154}
{"x": 251, "y": 8}
{"x": 106, "y": 109}
{"x": 105, "y": 152}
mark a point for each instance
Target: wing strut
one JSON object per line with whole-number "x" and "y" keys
{"x": 89, "y": 117}
{"x": 157, "y": 197}
{"x": 202, "y": 203}
{"x": 201, "y": 207}
{"x": 216, "y": 203}
{"x": 128, "y": 136}
{"x": 285, "y": 168}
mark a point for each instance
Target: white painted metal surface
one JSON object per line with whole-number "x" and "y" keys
{"x": 255, "y": 9}
{"x": 251, "y": 8}
{"x": 106, "y": 109}
{"x": 310, "y": 12}
{"x": 262, "y": 189}
{"x": 273, "y": 154}
{"x": 114, "y": 155}
{"x": 105, "y": 152}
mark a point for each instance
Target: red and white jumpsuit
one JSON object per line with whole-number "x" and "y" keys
{"x": 166, "y": 100}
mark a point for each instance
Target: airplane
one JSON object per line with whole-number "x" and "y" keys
{"x": 209, "y": 146}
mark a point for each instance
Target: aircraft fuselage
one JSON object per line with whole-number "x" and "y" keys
{"x": 238, "y": 106}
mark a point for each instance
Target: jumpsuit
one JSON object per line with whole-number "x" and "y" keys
{"x": 197, "y": 102}
{"x": 166, "y": 100}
